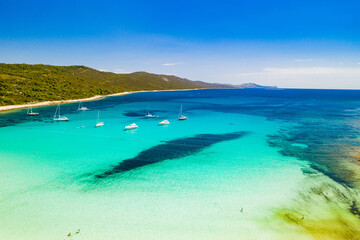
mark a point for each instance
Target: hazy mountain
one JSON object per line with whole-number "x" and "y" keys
{"x": 247, "y": 85}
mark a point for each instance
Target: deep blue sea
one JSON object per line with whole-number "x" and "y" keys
{"x": 246, "y": 164}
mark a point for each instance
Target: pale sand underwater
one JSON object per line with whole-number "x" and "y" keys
{"x": 230, "y": 154}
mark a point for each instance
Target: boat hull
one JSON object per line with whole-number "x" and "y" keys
{"x": 64, "y": 119}
{"x": 165, "y": 122}
{"x": 100, "y": 124}
{"x": 131, "y": 126}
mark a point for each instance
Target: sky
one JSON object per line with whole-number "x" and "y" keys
{"x": 291, "y": 44}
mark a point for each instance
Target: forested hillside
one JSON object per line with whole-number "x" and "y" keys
{"x": 24, "y": 83}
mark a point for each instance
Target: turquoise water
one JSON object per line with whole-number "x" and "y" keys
{"x": 49, "y": 171}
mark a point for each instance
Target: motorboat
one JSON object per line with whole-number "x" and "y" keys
{"x": 165, "y": 122}
{"x": 131, "y": 126}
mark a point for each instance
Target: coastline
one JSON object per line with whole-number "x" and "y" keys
{"x": 330, "y": 209}
{"x": 97, "y": 97}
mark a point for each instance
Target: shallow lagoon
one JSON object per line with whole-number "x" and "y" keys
{"x": 49, "y": 184}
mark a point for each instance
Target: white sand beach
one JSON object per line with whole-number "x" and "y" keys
{"x": 97, "y": 97}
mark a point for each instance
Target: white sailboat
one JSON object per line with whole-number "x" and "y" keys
{"x": 149, "y": 115}
{"x": 31, "y": 113}
{"x": 98, "y": 123}
{"x": 181, "y": 117}
{"x": 82, "y": 108}
{"x": 164, "y": 122}
{"x": 131, "y": 126}
{"x": 57, "y": 116}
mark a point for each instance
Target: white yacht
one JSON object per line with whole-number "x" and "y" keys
{"x": 165, "y": 122}
{"x": 57, "y": 116}
{"x": 181, "y": 117}
{"x": 98, "y": 123}
{"x": 131, "y": 126}
{"x": 149, "y": 115}
{"x": 82, "y": 108}
{"x": 31, "y": 113}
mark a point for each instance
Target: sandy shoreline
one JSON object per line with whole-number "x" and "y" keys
{"x": 97, "y": 97}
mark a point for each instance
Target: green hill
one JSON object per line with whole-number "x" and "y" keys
{"x": 24, "y": 83}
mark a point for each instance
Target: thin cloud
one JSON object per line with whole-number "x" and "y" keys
{"x": 119, "y": 70}
{"x": 303, "y": 71}
{"x": 305, "y": 59}
{"x": 116, "y": 70}
{"x": 308, "y": 77}
{"x": 172, "y": 64}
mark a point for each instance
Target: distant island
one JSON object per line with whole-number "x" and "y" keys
{"x": 250, "y": 85}
{"x": 25, "y": 83}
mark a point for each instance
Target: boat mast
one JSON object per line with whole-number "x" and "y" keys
{"x": 56, "y": 111}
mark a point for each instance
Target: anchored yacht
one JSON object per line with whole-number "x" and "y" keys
{"x": 181, "y": 117}
{"x": 31, "y": 113}
{"x": 131, "y": 126}
{"x": 82, "y": 108}
{"x": 165, "y": 122}
{"x": 98, "y": 123}
{"x": 57, "y": 116}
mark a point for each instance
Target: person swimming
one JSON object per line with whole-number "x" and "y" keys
{"x": 78, "y": 231}
{"x": 69, "y": 234}
{"x": 242, "y": 210}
